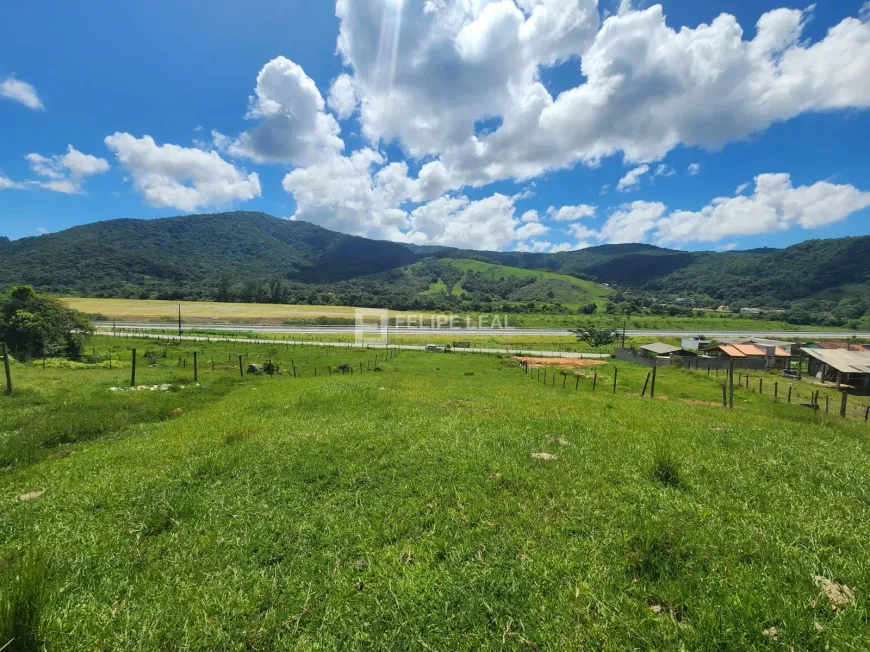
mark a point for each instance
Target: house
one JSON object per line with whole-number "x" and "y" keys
{"x": 683, "y": 301}
{"x": 775, "y": 356}
{"x": 836, "y": 346}
{"x": 761, "y": 342}
{"x": 750, "y": 311}
{"x": 695, "y": 344}
{"x": 662, "y": 350}
{"x": 840, "y": 366}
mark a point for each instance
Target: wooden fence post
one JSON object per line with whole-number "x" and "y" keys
{"x": 867, "y": 414}
{"x": 577, "y": 383}
{"x": 195, "y": 368}
{"x": 652, "y": 389}
{"x": 761, "y": 385}
{"x": 133, "y": 372}
{"x": 645, "y": 383}
{"x": 594, "y": 380}
{"x": 564, "y": 380}
{"x": 843, "y": 405}
{"x": 615, "y": 373}
{"x": 776, "y": 390}
{"x": 789, "y": 393}
{"x": 241, "y": 371}
{"x": 724, "y": 396}
{"x": 827, "y": 403}
{"x": 5, "y": 352}
{"x": 731, "y": 385}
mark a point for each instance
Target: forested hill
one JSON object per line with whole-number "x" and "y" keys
{"x": 191, "y": 252}
{"x": 190, "y": 256}
{"x": 764, "y": 277}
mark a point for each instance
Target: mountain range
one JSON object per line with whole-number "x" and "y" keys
{"x": 202, "y": 256}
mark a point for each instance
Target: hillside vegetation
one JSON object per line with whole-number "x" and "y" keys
{"x": 254, "y": 257}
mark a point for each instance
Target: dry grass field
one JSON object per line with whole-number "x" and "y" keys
{"x": 204, "y": 311}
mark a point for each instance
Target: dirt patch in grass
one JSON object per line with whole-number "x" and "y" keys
{"x": 691, "y": 401}
{"x": 839, "y": 595}
{"x": 565, "y": 363}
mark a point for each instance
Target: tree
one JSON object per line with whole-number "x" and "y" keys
{"x": 35, "y": 326}
{"x": 222, "y": 291}
{"x": 594, "y": 337}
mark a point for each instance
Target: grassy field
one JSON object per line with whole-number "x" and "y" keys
{"x": 590, "y": 291}
{"x": 411, "y": 508}
{"x": 265, "y": 313}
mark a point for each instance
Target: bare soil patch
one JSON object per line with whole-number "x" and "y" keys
{"x": 839, "y": 595}
{"x": 691, "y": 401}
{"x": 565, "y": 363}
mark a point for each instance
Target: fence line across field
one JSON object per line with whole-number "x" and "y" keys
{"x": 743, "y": 381}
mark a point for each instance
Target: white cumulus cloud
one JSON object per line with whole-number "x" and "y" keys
{"x": 461, "y": 80}
{"x": 632, "y": 179}
{"x": 632, "y": 222}
{"x": 66, "y": 172}
{"x": 20, "y": 91}
{"x": 185, "y": 178}
{"x": 571, "y": 213}
{"x": 776, "y": 205}
{"x": 342, "y": 96}
{"x": 292, "y": 124}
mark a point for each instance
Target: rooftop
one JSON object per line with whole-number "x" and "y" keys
{"x": 848, "y": 362}
{"x": 660, "y": 348}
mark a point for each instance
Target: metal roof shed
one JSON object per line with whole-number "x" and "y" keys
{"x": 660, "y": 348}
{"x": 851, "y": 367}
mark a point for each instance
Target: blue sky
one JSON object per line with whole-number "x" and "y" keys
{"x": 472, "y": 124}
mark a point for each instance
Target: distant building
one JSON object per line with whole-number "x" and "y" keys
{"x": 750, "y": 311}
{"x": 683, "y": 302}
{"x": 723, "y": 309}
{"x": 762, "y": 342}
{"x": 776, "y": 356}
{"x": 662, "y": 350}
{"x": 841, "y": 367}
{"x": 695, "y": 344}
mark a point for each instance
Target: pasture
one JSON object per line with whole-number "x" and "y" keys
{"x": 445, "y": 501}
{"x": 212, "y": 312}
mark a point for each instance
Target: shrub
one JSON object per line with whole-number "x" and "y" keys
{"x": 36, "y": 326}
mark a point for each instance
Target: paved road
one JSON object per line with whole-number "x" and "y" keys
{"x": 457, "y": 332}
{"x": 347, "y": 345}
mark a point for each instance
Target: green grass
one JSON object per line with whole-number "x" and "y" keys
{"x": 403, "y": 509}
{"x": 439, "y": 287}
{"x": 587, "y": 289}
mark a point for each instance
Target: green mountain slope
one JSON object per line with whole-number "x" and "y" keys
{"x": 187, "y": 253}
{"x": 195, "y": 256}
{"x": 517, "y": 284}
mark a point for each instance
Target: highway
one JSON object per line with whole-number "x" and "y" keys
{"x": 349, "y": 345}
{"x": 459, "y": 332}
